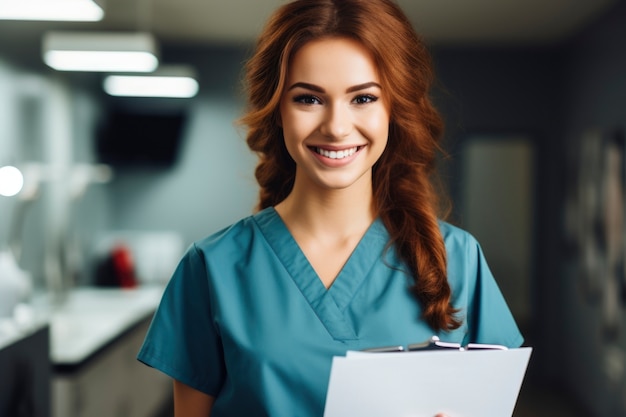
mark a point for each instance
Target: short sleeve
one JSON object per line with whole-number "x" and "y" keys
{"x": 490, "y": 319}
{"x": 182, "y": 340}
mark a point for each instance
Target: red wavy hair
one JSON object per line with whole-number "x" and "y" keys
{"x": 403, "y": 186}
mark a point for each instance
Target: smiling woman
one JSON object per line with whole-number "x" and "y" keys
{"x": 348, "y": 249}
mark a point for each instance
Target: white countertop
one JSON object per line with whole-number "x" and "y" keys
{"x": 91, "y": 317}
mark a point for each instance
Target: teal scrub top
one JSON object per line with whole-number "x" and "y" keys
{"x": 245, "y": 318}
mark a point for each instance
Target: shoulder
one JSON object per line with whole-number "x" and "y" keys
{"x": 461, "y": 245}
{"x": 233, "y": 234}
{"x": 455, "y": 237}
{"x": 236, "y": 237}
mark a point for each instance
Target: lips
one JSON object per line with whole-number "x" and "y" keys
{"x": 336, "y": 154}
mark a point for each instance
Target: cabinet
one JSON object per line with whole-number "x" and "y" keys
{"x": 111, "y": 383}
{"x": 25, "y": 372}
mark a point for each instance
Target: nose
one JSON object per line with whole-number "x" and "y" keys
{"x": 337, "y": 122}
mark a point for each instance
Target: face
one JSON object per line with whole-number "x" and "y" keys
{"x": 334, "y": 116}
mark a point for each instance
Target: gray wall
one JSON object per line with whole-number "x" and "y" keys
{"x": 44, "y": 123}
{"x": 212, "y": 184}
{"x": 554, "y": 95}
{"x": 513, "y": 92}
{"x": 53, "y": 123}
{"x": 595, "y": 99}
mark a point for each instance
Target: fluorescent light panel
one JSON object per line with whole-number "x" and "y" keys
{"x": 58, "y": 10}
{"x": 100, "y": 51}
{"x": 173, "y": 82}
{"x": 101, "y": 61}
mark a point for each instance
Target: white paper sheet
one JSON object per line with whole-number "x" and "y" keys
{"x": 480, "y": 383}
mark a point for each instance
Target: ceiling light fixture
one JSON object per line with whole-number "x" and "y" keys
{"x": 58, "y": 10}
{"x": 168, "y": 81}
{"x": 100, "y": 51}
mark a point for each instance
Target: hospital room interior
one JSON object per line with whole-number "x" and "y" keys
{"x": 102, "y": 191}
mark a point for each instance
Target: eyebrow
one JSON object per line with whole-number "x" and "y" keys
{"x": 319, "y": 89}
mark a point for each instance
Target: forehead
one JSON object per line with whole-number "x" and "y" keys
{"x": 332, "y": 60}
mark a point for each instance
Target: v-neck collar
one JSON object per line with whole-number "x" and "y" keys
{"x": 328, "y": 304}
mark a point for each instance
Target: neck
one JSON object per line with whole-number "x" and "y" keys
{"x": 337, "y": 213}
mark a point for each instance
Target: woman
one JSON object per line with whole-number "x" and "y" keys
{"x": 346, "y": 251}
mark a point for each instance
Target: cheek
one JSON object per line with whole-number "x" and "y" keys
{"x": 286, "y": 125}
{"x": 377, "y": 126}
{"x": 292, "y": 133}
{"x": 297, "y": 126}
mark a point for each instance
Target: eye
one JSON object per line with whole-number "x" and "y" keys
{"x": 364, "y": 99}
{"x": 307, "y": 99}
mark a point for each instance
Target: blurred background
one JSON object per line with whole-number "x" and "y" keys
{"x": 101, "y": 191}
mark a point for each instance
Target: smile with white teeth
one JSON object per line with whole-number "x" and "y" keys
{"x": 344, "y": 153}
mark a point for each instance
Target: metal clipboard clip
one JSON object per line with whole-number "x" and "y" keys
{"x": 434, "y": 343}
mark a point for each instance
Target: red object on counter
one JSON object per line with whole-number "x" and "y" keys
{"x": 124, "y": 266}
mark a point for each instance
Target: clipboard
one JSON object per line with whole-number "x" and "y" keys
{"x": 478, "y": 381}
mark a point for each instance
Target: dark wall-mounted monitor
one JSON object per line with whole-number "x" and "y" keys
{"x": 140, "y": 138}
